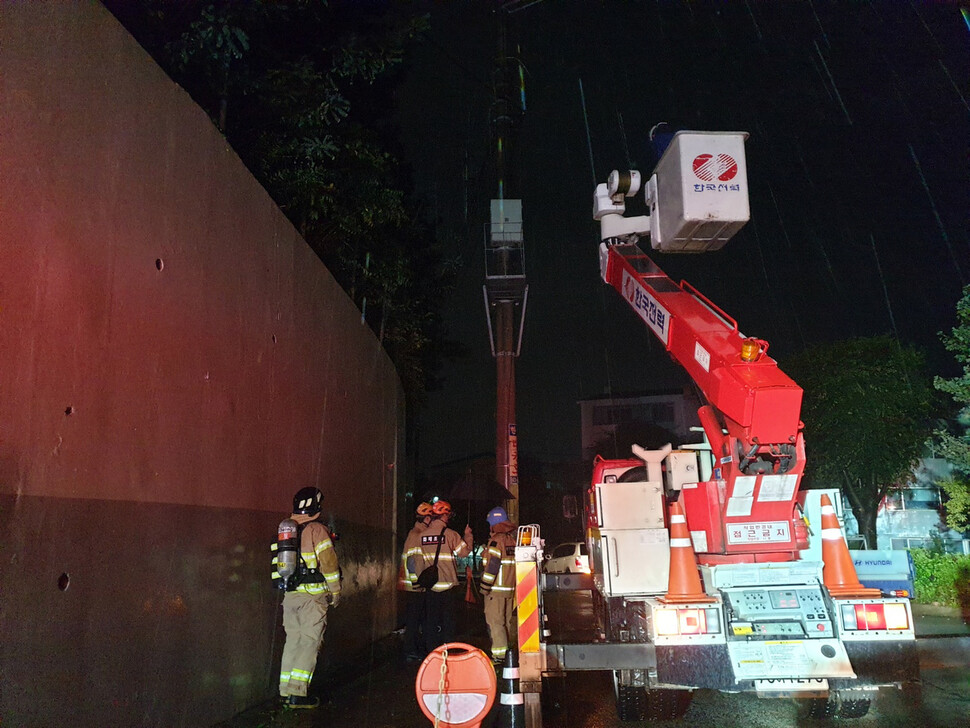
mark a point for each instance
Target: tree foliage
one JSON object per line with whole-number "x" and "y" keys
{"x": 954, "y": 443}
{"x": 942, "y": 578}
{"x": 867, "y": 407}
{"x": 302, "y": 91}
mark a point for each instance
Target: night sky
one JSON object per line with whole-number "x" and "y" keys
{"x": 857, "y": 164}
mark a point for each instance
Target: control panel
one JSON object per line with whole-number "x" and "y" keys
{"x": 777, "y": 612}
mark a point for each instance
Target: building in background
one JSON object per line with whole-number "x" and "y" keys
{"x": 609, "y": 421}
{"x": 911, "y": 517}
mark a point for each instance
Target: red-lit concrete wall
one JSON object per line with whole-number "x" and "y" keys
{"x": 174, "y": 364}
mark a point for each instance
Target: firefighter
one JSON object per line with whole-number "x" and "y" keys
{"x": 498, "y": 583}
{"x": 305, "y": 608}
{"x": 439, "y": 615}
{"x": 414, "y": 647}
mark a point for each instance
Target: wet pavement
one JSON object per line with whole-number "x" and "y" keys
{"x": 382, "y": 692}
{"x": 382, "y": 695}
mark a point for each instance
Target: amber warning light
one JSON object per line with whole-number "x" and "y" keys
{"x": 753, "y": 349}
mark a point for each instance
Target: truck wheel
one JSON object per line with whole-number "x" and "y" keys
{"x": 667, "y": 704}
{"x": 631, "y": 700}
{"x": 822, "y": 708}
{"x": 631, "y": 703}
{"x": 854, "y": 708}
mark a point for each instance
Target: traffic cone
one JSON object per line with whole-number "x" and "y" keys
{"x": 684, "y": 584}
{"x": 471, "y": 594}
{"x": 511, "y": 712}
{"x": 838, "y": 572}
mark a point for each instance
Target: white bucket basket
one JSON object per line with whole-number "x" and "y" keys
{"x": 698, "y": 194}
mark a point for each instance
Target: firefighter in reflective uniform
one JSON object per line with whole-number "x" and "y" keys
{"x": 414, "y": 647}
{"x": 305, "y": 608}
{"x": 439, "y": 617}
{"x": 498, "y": 583}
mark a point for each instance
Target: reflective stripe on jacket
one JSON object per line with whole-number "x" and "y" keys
{"x": 499, "y": 575}
{"x": 411, "y": 558}
{"x": 317, "y": 551}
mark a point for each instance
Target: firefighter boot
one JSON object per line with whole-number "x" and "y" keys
{"x": 298, "y": 701}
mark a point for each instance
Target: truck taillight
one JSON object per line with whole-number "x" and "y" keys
{"x": 875, "y": 616}
{"x": 670, "y": 622}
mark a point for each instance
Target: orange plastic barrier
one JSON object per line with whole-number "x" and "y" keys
{"x": 464, "y": 694}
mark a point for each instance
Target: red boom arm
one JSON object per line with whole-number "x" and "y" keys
{"x": 747, "y": 507}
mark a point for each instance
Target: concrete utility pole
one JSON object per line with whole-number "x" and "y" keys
{"x": 506, "y": 290}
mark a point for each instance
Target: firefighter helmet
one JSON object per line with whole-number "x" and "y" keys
{"x": 423, "y": 509}
{"x": 307, "y": 501}
{"x": 441, "y": 508}
{"x": 496, "y": 516}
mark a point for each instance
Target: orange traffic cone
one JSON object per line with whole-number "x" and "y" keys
{"x": 838, "y": 573}
{"x": 471, "y": 593}
{"x": 684, "y": 584}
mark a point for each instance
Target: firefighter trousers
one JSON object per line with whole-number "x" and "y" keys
{"x": 304, "y": 619}
{"x": 439, "y": 618}
{"x": 414, "y": 639}
{"x": 500, "y": 618}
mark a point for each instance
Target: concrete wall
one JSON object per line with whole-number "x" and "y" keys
{"x": 174, "y": 364}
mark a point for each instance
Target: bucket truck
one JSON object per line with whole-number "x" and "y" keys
{"x": 761, "y": 619}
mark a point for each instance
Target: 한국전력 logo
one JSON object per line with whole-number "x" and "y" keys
{"x": 710, "y": 167}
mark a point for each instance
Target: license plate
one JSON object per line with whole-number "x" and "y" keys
{"x": 797, "y": 687}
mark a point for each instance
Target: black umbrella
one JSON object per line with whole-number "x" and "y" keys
{"x": 470, "y": 488}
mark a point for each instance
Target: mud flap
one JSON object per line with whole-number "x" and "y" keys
{"x": 881, "y": 663}
{"x": 700, "y": 666}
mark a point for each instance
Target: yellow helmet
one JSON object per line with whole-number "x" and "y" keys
{"x": 423, "y": 509}
{"x": 441, "y": 508}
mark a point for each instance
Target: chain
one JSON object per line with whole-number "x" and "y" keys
{"x": 441, "y": 685}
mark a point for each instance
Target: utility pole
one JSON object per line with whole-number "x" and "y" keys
{"x": 506, "y": 290}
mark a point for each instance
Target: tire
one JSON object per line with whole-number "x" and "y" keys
{"x": 631, "y": 701}
{"x": 667, "y": 703}
{"x": 822, "y": 708}
{"x": 854, "y": 708}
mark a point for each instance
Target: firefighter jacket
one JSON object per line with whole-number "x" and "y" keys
{"x": 317, "y": 552}
{"x": 453, "y": 548}
{"x": 499, "y": 575}
{"x": 411, "y": 560}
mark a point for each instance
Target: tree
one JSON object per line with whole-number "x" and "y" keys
{"x": 867, "y": 408}
{"x": 955, "y": 445}
{"x": 302, "y": 92}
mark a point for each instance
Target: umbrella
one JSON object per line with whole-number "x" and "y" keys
{"x": 471, "y": 488}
